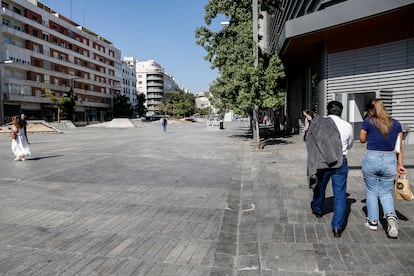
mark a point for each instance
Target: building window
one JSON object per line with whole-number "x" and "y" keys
{"x": 46, "y": 51}
{"x": 16, "y": 10}
{"x": 46, "y": 64}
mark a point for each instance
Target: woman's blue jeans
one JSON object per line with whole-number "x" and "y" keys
{"x": 339, "y": 179}
{"x": 379, "y": 169}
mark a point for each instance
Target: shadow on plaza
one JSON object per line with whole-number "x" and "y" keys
{"x": 43, "y": 157}
{"x": 268, "y": 136}
{"x": 328, "y": 206}
{"x": 382, "y": 219}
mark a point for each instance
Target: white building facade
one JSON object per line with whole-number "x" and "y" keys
{"x": 129, "y": 80}
{"x": 154, "y": 82}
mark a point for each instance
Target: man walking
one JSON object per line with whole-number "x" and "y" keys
{"x": 164, "y": 123}
{"x": 24, "y": 125}
{"x": 327, "y": 142}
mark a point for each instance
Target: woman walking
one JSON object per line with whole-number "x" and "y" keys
{"x": 19, "y": 145}
{"x": 381, "y": 164}
{"x": 308, "y": 120}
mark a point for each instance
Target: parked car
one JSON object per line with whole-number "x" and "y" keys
{"x": 190, "y": 119}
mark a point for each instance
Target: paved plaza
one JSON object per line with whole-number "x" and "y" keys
{"x": 195, "y": 200}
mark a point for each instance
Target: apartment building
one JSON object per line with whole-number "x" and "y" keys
{"x": 154, "y": 82}
{"x": 129, "y": 80}
{"x": 346, "y": 50}
{"x": 51, "y": 53}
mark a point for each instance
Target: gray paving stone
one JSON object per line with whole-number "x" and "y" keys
{"x": 191, "y": 202}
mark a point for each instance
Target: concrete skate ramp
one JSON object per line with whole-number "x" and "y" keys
{"x": 120, "y": 122}
{"x": 33, "y": 126}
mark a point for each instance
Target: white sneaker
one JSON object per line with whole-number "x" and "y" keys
{"x": 392, "y": 229}
{"x": 371, "y": 225}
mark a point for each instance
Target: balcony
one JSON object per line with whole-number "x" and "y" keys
{"x": 154, "y": 83}
{"x": 154, "y": 78}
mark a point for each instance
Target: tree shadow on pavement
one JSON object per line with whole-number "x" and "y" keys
{"x": 268, "y": 136}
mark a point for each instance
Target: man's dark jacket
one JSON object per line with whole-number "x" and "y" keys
{"x": 324, "y": 145}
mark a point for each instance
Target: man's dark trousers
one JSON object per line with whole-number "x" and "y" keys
{"x": 339, "y": 180}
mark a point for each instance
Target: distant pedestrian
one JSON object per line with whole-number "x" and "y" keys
{"x": 308, "y": 120}
{"x": 381, "y": 164}
{"x": 24, "y": 124}
{"x": 327, "y": 142}
{"x": 19, "y": 145}
{"x": 265, "y": 119}
{"x": 276, "y": 123}
{"x": 164, "y": 124}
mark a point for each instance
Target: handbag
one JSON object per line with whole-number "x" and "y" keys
{"x": 402, "y": 188}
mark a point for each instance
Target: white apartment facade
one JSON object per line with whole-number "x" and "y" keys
{"x": 129, "y": 79}
{"x": 154, "y": 82}
{"x": 52, "y": 53}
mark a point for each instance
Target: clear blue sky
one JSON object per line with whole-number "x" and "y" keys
{"x": 163, "y": 31}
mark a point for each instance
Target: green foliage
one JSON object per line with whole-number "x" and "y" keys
{"x": 69, "y": 102}
{"x": 122, "y": 107}
{"x": 272, "y": 93}
{"x": 58, "y": 101}
{"x": 140, "y": 107}
{"x": 66, "y": 103}
{"x": 178, "y": 104}
{"x": 240, "y": 85}
{"x": 203, "y": 111}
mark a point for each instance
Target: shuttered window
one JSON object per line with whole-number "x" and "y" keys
{"x": 387, "y": 70}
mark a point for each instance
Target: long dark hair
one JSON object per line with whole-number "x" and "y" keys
{"x": 379, "y": 117}
{"x": 17, "y": 122}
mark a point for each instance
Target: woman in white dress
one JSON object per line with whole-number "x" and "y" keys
{"x": 19, "y": 145}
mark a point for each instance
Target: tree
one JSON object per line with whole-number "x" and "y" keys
{"x": 58, "y": 101}
{"x": 140, "y": 107}
{"x": 69, "y": 103}
{"x": 122, "y": 107}
{"x": 178, "y": 104}
{"x": 241, "y": 85}
{"x": 63, "y": 104}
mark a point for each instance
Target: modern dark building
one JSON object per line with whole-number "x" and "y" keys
{"x": 348, "y": 51}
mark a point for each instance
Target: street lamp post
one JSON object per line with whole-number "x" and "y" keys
{"x": 2, "y": 91}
